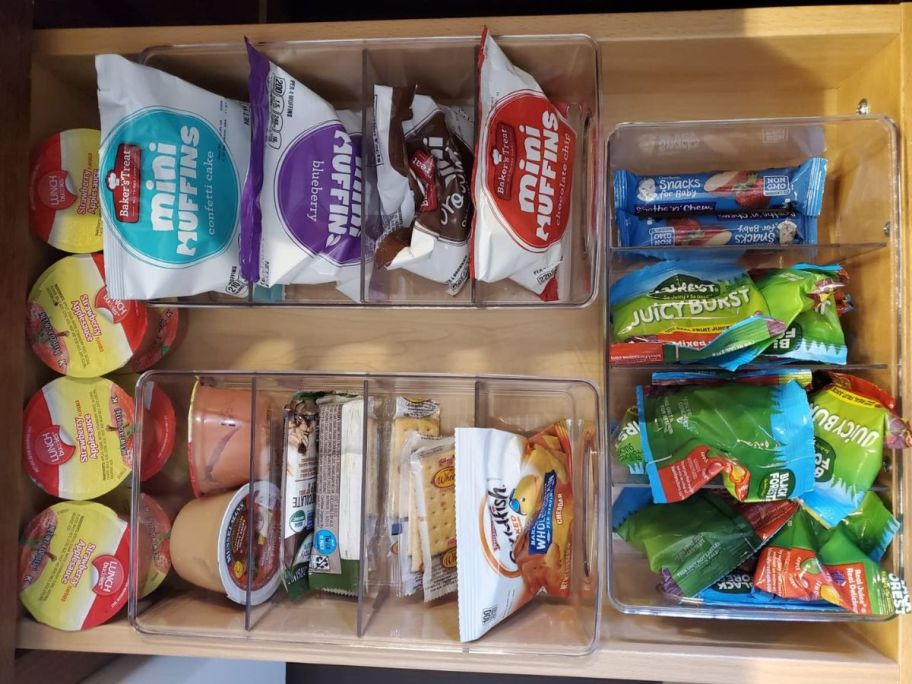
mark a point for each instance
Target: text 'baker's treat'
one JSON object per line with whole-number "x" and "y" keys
{"x": 523, "y": 178}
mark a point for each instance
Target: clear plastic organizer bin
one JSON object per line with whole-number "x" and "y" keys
{"x": 859, "y": 228}
{"x": 374, "y": 615}
{"x": 344, "y": 72}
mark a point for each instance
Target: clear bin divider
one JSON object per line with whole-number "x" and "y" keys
{"x": 251, "y": 514}
{"x": 370, "y": 210}
{"x": 370, "y": 594}
{"x": 144, "y": 389}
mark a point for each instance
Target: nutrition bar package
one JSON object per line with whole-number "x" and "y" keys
{"x": 514, "y": 520}
{"x": 523, "y": 177}
{"x": 798, "y": 188}
{"x": 695, "y": 542}
{"x": 759, "y": 438}
{"x": 413, "y": 419}
{"x": 172, "y": 160}
{"x": 303, "y": 195}
{"x": 782, "y": 227}
{"x": 434, "y": 477}
{"x": 689, "y": 311}
{"x": 853, "y": 423}
{"x": 299, "y": 486}
{"x": 424, "y": 166}
{"x": 335, "y": 558}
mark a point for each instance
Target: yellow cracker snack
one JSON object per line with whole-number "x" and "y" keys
{"x": 434, "y": 478}
{"x": 414, "y": 417}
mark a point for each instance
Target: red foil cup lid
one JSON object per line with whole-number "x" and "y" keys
{"x": 78, "y": 437}
{"x": 75, "y": 327}
{"x": 167, "y": 323}
{"x": 159, "y": 434}
{"x": 63, "y": 193}
{"x": 73, "y": 560}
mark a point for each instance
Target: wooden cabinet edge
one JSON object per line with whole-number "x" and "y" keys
{"x": 612, "y": 660}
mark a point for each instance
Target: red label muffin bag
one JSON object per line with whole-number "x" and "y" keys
{"x": 523, "y": 177}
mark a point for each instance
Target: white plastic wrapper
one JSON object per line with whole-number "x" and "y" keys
{"x": 523, "y": 178}
{"x": 424, "y": 160}
{"x": 172, "y": 160}
{"x": 514, "y": 517}
{"x": 303, "y": 196}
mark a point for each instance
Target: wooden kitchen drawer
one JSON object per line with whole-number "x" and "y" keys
{"x": 738, "y": 63}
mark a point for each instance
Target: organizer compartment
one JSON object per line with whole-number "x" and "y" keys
{"x": 857, "y": 229}
{"x": 376, "y": 616}
{"x": 345, "y": 72}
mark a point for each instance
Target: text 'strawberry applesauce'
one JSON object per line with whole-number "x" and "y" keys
{"x": 78, "y": 437}
{"x": 76, "y": 327}
{"x": 63, "y": 193}
{"x": 523, "y": 178}
{"x": 73, "y": 565}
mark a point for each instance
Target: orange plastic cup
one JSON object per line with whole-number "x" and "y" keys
{"x": 219, "y": 446}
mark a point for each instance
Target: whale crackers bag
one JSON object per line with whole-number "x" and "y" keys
{"x": 523, "y": 178}
{"x": 514, "y": 522}
{"x": 172, "y": 160}
{"x": 302, "y": 198}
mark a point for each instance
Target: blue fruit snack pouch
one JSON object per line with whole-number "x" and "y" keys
{"x": 171, "y": 163}
{"x": 798, "y": 188}
{"x": 758, "y": 438}
{"x": 303, "y": 195}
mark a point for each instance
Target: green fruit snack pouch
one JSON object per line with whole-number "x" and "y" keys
{"x": 853, "y": 423}
{"x": 871, "y": 527}
{"x": 789, "y": 291}
{"x": 809, "y": 299}
{"x": 677, "y": 311}
{"x": 627, "y": 443}
{"x": 814, "y": 335}
{"x": 757, "y": 437}
{"x": 807, "y": 562}
{"x": 693, "y": 543}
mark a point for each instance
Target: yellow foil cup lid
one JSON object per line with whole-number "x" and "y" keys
{"x": 78, "y": 437}
{"x": 63, "y": 194}
{"x": 73, "y": 561}
{"x": 74, "y": 327}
